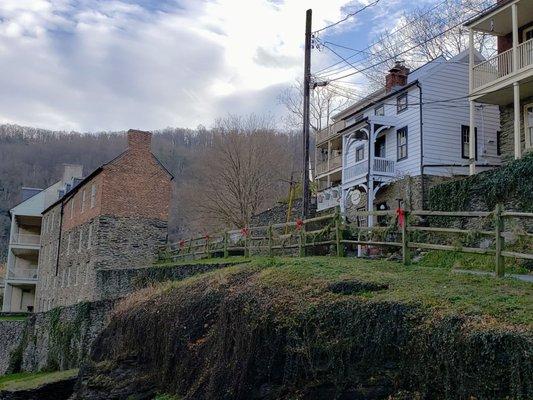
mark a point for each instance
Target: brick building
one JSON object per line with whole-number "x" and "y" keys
{"x": 113, "y": 219}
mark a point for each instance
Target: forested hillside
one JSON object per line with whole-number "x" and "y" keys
{"x": 33, "y": 157}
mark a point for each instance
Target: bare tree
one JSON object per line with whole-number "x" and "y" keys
{"x": 324, "y": 104}
{"x": 241, "y": 173}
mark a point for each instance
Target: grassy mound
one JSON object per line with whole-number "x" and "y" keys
{"x": 319, "y": 328}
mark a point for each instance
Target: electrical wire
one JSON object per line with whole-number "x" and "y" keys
{"x": 347, "y": 16}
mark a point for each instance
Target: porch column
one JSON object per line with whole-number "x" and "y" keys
{"x": 370, "y": 191}
{"x": 514, "y": 9}
{"x": 329, "y": 154}
{"x": 370, "y": 201}
{"x": 472, "y": 133}
{"x": 516, "y": 101}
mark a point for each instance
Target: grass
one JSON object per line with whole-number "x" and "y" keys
{"x": 500, "y": 301}
{"x": 13, "y": 318}
{"x": 27, "y": 380}
{"x": 203, "y": 261}
{"x": 478, "y": 262}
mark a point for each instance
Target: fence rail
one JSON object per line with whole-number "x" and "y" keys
{"x": 331, "y": 233}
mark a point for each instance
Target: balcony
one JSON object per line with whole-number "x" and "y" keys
{"x": 24, "y": 274}
{"x": 330, "y": 131}
{"x": 382, "y": 167}
{"x": 328, "y": 198}
{"x": 501, "y": 66}
{"x": 325, "y": 166}
{"x": 26, "y": 239}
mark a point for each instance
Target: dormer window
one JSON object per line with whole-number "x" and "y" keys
{"x": 379, "y": 111}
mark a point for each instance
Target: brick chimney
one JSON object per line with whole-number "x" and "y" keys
{"x": 396, "y": 77}
{"x": 139, "y": 140}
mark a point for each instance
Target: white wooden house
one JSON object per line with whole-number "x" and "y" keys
{"x": 416, "y": 127}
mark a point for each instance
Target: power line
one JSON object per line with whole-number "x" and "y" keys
{"x": 404, "y": 51}
{"x": 348, "y": 16}
{"x": 386, "y": 36}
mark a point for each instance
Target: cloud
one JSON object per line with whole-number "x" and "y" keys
{"x": 113, "y": 64}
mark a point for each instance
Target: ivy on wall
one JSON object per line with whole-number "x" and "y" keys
{"x": 511, "y": 185}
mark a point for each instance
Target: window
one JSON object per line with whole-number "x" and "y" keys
{"x": 81, "y": 240}
{"x": 379, "y": 111}
{"x": 528, "y": 124}
{"x": 401, "y": 103}
{"x": 401, "y": 143}
{"x": 51, "y": 226}
{"x": 499, "y": 143}
{"x": 360, "y": 153}
{"x": 379, "y": 147}
{"x": 465, "y": 141}
{"x": 68, "y": 244}
{"x": 83, "y": 200}
{"x": 72, "y": 208}
{"x": 93, "y": 195}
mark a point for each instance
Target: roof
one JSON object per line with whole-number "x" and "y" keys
{"x": 483, "y": 14}
{"x": 76, "y": 188}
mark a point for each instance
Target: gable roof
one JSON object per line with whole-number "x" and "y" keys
{"x": 82, "y": 183}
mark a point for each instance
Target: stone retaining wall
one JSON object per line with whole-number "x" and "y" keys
{"x": 61, "y": 338}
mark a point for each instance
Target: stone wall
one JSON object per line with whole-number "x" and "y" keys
{"x": 507, "y": 129}
{"x": 60, "y": 338}
{"x": 277, "y": 214}
{"x": 10, "y": 336}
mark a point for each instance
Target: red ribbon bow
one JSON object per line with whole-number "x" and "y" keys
{"x": 206, "y": 237}
{"x": 400, "y": 213}
{"x": 182, "y": 243}
{"x": 244, "y": 231}
{"x": 299, "y": 224}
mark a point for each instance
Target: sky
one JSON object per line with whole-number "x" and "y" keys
{"x": 106, "y": 65}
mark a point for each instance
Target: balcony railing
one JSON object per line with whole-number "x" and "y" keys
{"x": 328, "y": 198}
{"x": 382, "y": 166}
{"x": 29, "y": 274}
{"x": 26, "y": 238}
{"x": 334, "y": 163}
{"x": 330, "y": 131}
{"x": 501, "y": 65}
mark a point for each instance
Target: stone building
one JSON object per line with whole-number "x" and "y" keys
{"x": 114, "y": 218}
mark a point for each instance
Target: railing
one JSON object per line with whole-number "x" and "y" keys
{"x": 502, "y": 64}
{"x": 26, "y": 238}
{"x": 403, "y": 229}
{"x": 357, "y": 170}
{"x": 328, "y": 198}
{"x": 525, "y": 54}
{"x": 384, "y": 166}
{"x": 22, "y": 273}
{"x": 334, "y": 163}
{"x": 329, "y": 131}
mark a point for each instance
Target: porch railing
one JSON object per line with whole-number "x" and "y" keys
{"x": 26, "y": 238}
{"x": 329, "y": 131}
{"x": 384, "y": 166}
{"x": 357, "y": 170}
{"x": 328, "y": 198}
{"x": 22, "y": 273}
{"x": 501, "y": 65}
{"x": 334, "y": 163}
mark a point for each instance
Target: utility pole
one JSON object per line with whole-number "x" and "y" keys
{"x": 307, "y": 88}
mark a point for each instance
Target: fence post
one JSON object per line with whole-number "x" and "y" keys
{"x": 226, "y": 252}
{"x": 406, "y": 256}
{"x": 207, "y": 248}
{"x": 301, "y": 243}
{"x": 270, "y": 240}
{"x": 498, "y": 222}
{"x": 190, "y": 247}
{"x": 338, "y": 236}
{"x": 246, "y": 244}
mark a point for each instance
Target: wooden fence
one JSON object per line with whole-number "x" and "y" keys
{"x": 401, "y": 229}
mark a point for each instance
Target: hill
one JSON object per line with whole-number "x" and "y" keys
{"x": 318, "y": 328}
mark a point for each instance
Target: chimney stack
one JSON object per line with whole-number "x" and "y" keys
{"x": 71, "y": 171}
{"x": 397, "y": 76}
{"x": 139, "y": 140}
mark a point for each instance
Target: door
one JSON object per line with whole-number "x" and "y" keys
{"x": 528, "y": 125}
{"x": 379, "y": 147}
